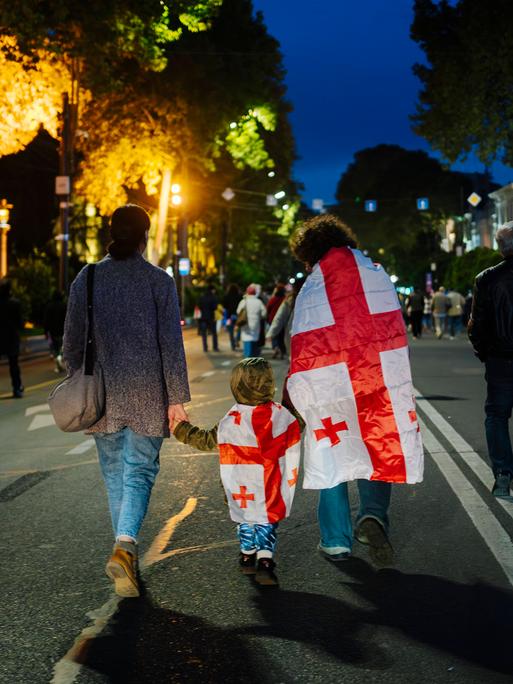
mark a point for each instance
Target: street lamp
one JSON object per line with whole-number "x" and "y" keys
{"x": 5, "y": 227}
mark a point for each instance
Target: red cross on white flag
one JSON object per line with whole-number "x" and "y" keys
{"x": 259, "y": 456}
{"x": 350, "y": 375}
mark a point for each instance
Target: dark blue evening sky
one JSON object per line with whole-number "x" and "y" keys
{"x": 350, "y": 81}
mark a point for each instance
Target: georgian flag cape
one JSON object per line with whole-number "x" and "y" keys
{"x": 350, "y": 375}
{"x": 259, "y": 449}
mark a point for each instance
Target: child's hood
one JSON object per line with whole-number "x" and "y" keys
{"x": 252, "y": 382}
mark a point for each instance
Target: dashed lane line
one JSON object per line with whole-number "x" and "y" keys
{"x": 462, "y": 447}
{"x": 39, "y": 408}
{"x": 490, "y": 529}
{"x": 67, "y": 669}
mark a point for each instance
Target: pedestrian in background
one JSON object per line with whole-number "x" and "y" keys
{"x": 455, "y": 312}
{"x": 255, "y": 313}
{"x": 467, "y": 309}
{"x": 490, "y": 331}
{"x": 207, "y": 322}
{"x": 138, "y": 344}
{"x": 230, "y": 302}
{"x": 55, "y": 315}
{"x": 427, "y": 319}
{"x": 282, "y": 321}
{"x": 11, "y": 325}
{"x": 415, "y": 309}
{"x": 277, "y": 341}
{"x": 439, "y": 306}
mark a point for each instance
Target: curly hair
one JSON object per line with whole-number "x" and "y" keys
{"x": 315, "y": 237}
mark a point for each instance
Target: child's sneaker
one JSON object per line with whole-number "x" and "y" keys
{"x": 247, "y": 563}
{"x": 265, "y": 572}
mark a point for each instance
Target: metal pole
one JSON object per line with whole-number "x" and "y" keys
{"x": 64, "y": 170}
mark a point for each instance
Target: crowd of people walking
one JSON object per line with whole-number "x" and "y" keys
{"x": 443, "y": 313}
{"x": 249, "y": 317}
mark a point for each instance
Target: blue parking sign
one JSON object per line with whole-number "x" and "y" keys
{"x": 423, "y": 204}
{"x": 371, "y": 205}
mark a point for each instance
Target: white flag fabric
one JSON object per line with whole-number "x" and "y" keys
{"x": 259, "y": 451}
{"x": 350, "y": 375}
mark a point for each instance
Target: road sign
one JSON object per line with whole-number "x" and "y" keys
{"x": 371, "y": 205}
{"x": 271, "y": 201}
{"x": 317, "y": 204}
{"x": 184, "y": 266}
{"x": 62, "y": 185}
{"x": 474, "y": 199}
{"x": 228, "y": 194}
{"x": 422, "y": 203}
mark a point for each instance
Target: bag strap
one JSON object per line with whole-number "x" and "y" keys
{"x": 89, "y": 350}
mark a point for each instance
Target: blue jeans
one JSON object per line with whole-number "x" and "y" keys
{"x": 498, "y": 406}
{"x": 454, "y": 325}
{"x": 129, "y": 463}
{"x": 250, "y": 349}
{"x": 259, "y": 538}
{"x": 334, "y": 512}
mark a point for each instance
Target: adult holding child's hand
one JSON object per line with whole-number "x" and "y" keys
{"x": 137, "y": 340}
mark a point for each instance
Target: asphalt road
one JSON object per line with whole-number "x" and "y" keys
{"x": 443, "y": 613}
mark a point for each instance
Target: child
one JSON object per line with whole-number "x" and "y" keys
{"x": 258, "y": 443}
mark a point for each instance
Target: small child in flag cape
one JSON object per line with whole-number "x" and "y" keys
{"x": 259, "y": 449}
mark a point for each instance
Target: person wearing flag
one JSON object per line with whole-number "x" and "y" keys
{"x": 259, "y": 451}
{"x": 350, "y": 381}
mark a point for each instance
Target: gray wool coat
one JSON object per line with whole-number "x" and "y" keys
{"x": 138, "y": 343}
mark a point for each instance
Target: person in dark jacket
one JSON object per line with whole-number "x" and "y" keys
{"x": 11, "y": 324}
{"x": 490, "y": 330}
{"x": 207, "y": 323}
{"x": 230, "y": 303}
{"x": 415, "y": 309}
{"x": 55, "y": 315}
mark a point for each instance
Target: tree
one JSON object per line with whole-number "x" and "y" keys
{"x": 466, "y": 101}
{"x": 398, "y": 234}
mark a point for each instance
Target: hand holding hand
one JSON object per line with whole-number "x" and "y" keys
{"x": 176, "y": 413}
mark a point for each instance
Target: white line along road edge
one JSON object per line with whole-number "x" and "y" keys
{"x": 471, "y": 458}
{"x": 493, "y": 533}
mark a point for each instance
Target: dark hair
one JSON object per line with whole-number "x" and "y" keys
{"x": 279, "y": 290}
{"x": 233, "y": 289}
{"x": 315, "y": 237}
{"x": 128, "y": 226}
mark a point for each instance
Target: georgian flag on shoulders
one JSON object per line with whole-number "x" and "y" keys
{"x": 259, "y": 449}
{"x": 350, "y": 375}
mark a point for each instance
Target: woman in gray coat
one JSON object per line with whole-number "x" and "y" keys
{"x": 139, "y": 346}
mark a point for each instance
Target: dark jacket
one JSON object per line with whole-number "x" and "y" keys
{"x": 490, "y": 328}
{"x": 11, "y": 325}
{"x": 416, "y": 302}
{"x": 208, "y": 305}
{"x": 231, "y": 302}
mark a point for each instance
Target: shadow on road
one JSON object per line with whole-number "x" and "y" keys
{"x": 147, "y": 644}
{"x": 472, "y": 622}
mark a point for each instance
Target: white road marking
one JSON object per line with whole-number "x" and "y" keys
{"x": 471, "y": 458}
{"x": 67, "y": 669}
{"x": 41, "y": 421}
{"x": 81, "y": 448}
{"x": 226, "y": 363}
{"x": 493, "y": 533}
{"x": 208, "y": 374}
{"x": 40, "y": 408}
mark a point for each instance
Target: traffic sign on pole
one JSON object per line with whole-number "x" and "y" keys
{"x": 317, "y": 204}
{"x": 371, "y": 205}
{"x": 184, "y": 266}
{"x": 422, "y": 203}
{"x": 474, "y": 199}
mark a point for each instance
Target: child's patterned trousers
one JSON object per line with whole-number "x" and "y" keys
{"x": 257, "y": 538}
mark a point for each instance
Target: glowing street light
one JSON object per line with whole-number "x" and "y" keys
{"x": 233, "y": 125}
{"x": 5, "y": 208}
{"x": 394, "y": 279}
{"x": 280, "y": 195}
{"x": 271, "y": 174}
{"x": 176, "y": 200}
{"x": 176, "y": 188}
{"x": 285, "y": 207}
